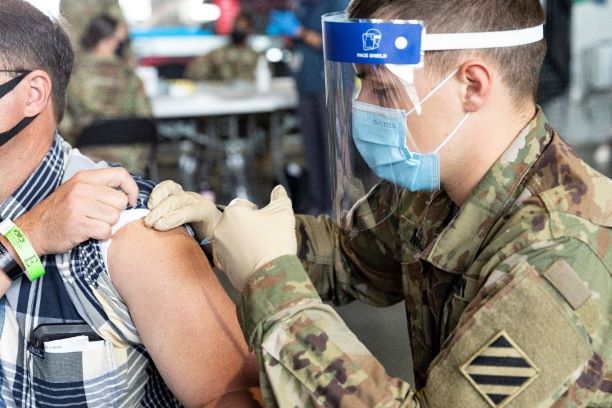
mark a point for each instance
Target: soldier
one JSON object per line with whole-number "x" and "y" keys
{"x": 235, "y": 61}
{"x": 104, "y": 86}
{"x": 485, "y": 222}
{"x": 79, "y": 14}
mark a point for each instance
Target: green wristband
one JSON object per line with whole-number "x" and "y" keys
{"x": 31, "y": 261}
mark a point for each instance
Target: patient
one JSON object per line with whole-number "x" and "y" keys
{"x": 164, "y": 333}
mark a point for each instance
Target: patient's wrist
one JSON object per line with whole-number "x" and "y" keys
{"x": 9, "y": 263}
{"x": 29, "y": 229}
{"x": 23, "y": 252}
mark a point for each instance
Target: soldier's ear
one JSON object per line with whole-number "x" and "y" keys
{"x": 38, "y": 93}
{"x": 476, "y": 77}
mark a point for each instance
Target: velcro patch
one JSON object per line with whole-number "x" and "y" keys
{"x": 563, "y": 278}
{"x": 500, "y": 370}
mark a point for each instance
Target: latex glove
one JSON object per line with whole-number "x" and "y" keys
{"x": 246, "y": 239}
{"x": 283, "y": 23}
{"x": 172, "y": 207}
{"x": 84, "y": 207}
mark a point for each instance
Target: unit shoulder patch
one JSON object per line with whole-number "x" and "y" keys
{"x": 500, "y": 370}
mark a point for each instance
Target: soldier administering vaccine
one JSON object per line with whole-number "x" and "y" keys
{"x": 454, "y": 194}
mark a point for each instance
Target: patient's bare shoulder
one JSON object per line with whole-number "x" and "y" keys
{"x": 135, "y": 246}
{"x": 182, "y": 313}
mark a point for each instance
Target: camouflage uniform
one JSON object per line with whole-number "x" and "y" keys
{"x": 106, "y": 88}
{"x": 508, "y": 297}
{"x": 224, "y": 64}
{"x": 78, "y": 13}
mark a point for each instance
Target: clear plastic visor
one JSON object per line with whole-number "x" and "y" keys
{"x": 363, "y": 200}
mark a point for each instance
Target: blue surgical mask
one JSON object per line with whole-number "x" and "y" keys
{"x": 380, "y": 135}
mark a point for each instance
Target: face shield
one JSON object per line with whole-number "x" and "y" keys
{"x": 370, "y": 67}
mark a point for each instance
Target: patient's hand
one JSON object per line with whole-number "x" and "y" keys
{"x": 85, "y": 207}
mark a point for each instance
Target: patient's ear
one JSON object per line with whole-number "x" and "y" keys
{"x": 38, "y": 93}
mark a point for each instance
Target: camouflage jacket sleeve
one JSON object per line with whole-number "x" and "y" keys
{"x": 200, "y": 69}
{"x": 142, "y": 106}
{"x": 518, "y": 329}
{"x": 307, "y": 356}
{"x": 102, "y": 89}
{"x": 77, "y": 112}
{"x": 365, "y": 265}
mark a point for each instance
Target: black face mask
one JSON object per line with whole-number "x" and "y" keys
{"x": 239, "y": 37}
{"x": 122, "y": 48}
{"x": 5, "y": 89}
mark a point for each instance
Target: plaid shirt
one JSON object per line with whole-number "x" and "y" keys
{"x": 76, "y": 289}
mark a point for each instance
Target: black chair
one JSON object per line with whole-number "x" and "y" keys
{"x": 125, "y": 131}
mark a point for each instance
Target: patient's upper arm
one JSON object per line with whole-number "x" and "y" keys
{"x": 183, "y": 316}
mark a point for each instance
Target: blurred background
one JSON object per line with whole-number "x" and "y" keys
{"x": 226, "y": 97}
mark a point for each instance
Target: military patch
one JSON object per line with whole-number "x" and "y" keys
{"x": 500, "y": 371}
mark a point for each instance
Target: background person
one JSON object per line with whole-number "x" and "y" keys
{"x": 304, "y": 28}
{"x": 79, "y": 14}
{"x": 232, "y": 62}
{"x": 105, "y": 87}
{"x": 485, "y": 222}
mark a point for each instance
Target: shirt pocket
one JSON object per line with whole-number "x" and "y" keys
{"x": 69, "y": 373}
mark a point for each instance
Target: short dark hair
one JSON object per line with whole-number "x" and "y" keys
{"x": 520, "y": 66}
{"x": 99, "y": 28}
{"x": 31, "y": 40}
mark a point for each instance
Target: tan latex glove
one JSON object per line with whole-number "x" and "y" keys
{"x": 172, "y": 207}
{"x": 247, "y": 239}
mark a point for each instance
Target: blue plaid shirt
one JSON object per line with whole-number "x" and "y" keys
{"x": 75, "y": 289}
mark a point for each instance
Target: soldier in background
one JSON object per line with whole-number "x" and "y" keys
{"x": 104, "y": 86}
{"x": 79, "y": 13}
{"x": 235, "y": 61}
{"x": 485, "y": 222}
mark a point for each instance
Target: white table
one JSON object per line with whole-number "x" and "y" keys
{"x": 216, "y": 99}
{"x": 213, "y": 101}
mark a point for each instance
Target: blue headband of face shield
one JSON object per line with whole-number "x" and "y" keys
{"x": 403, "y": 42}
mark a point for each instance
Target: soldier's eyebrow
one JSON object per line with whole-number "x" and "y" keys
{"x": 361, "y": 71}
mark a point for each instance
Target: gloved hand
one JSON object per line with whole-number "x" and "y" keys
{"x": 283, "y": 23}
{"x": 172, "y": 207}
{"x": 246, "y": 239}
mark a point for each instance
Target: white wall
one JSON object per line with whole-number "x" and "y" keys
{"x": 590, "y": 23}
{"x": 50, "y": 7}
